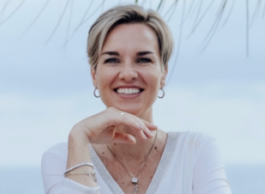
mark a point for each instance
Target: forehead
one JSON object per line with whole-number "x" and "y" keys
{"x": 131, "y": 37}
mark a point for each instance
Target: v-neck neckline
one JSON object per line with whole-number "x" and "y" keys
{"x": 161, "y": 168}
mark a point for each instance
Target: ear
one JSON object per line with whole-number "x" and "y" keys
{"x": 163, "y": 78}
{"x": 93, "y": 75}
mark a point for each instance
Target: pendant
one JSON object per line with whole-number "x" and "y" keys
{"x": 134, "y": 180}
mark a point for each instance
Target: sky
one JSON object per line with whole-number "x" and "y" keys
{"x": 46, "y": 88}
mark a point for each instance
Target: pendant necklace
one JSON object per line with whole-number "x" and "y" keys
{"x": 134, "y": 178}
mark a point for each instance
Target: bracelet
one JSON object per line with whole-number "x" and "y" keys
{"x": 78, "y": 165}
{"x": 90, "y": 174}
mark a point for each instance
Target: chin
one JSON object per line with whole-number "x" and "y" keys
{"x": 133, "y": 109}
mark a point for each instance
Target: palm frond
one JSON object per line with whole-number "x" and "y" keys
{"x": 197, "y": 15}
{"x": 159, "y": 5}
{"x": 247, "y": 28}
{"x": 198, "y": 9}
{"x": 201, "y": 18}
{"x": 229, "y": 13}
{"x": 256, "y": 12}
{"x": 36, "y": 18}
{"x": 59, "y": 21}
{"x": 189, "y": 11}
{"x": 7, "y": 2}
{"x": 80, "y": 23}
{"x": 214, "y": 27}
{"x": 143, "y": 2}
{"x": 88, "y": 18}
{"x": 263, "y": 11}
{"x": 12, "y": 14}
{"x": 83, "y": 21}
{"x": 171, "y": 10}
{"x": 69, "y": 20}
{"x": 179, "y": 41}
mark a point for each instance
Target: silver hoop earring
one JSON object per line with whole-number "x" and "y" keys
{"x": 162, "y": 94}
{"x": 95, "y": 93}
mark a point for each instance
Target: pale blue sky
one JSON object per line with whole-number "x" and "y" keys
{"x": 45, "y": 88}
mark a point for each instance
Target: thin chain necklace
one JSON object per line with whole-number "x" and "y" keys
{"x": 134, "y": 178}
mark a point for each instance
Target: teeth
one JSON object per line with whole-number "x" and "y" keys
{"x": 128, "y": 90}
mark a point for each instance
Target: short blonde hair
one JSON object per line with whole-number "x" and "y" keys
{"x": 128, "y": 14}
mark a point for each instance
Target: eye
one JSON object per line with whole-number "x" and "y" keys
{"x": 111, "y": 60}
{"x": 143, "y": 60}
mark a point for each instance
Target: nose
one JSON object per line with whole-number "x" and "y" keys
{"x": 128, "y": 72}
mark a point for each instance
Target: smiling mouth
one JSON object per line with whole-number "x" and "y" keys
{"x": 128, "y": 91}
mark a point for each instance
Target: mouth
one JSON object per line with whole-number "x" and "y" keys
{"x": 128, "y": 91}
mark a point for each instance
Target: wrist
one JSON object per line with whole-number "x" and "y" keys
{"x": 77, "y": 136}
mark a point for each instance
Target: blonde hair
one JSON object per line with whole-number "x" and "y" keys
{"x": 128, "y": 14}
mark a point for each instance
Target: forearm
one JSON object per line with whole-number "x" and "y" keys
{"x": 78, "y": 152}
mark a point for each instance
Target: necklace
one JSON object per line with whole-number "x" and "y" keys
{"x": 134, "y": 178}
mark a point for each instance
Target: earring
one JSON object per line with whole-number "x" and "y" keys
{"x": 95, "y": 93}
{"x": 162, "y": 94}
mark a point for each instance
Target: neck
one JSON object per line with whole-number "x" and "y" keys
{"x": 134, "y": 152}
{"x": 133, "y": 155}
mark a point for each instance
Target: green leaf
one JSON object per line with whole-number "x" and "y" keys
{"x": 159, "y": 5}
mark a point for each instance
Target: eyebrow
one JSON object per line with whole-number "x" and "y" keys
{"x": 141, "y": 53}
{"x": 144, "y": 53}
{"x": 110, "y": 53}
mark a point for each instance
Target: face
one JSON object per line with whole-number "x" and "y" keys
{"x": 129, "y": 73}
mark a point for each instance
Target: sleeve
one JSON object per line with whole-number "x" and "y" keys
{"x": 209, "y": 172}
{"x": 53, "y": 167}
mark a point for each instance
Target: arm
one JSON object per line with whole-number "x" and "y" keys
{"x": 209, "y": 171}
{"x": 97, "y": 129}
{"x": 53, "y": 166}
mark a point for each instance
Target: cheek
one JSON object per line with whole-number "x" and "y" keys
{"x": 102, "y": 77}
{"x": 153, "y": 78}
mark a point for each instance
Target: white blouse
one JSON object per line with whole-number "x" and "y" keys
{"x": 190, "y": 164}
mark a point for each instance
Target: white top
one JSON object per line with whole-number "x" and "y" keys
{"x": 190, "y": 164}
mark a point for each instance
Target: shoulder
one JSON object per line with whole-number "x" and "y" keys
{"x": 191, "y": 139}
{"x": 53, "y": 165}
{"x": 193, "y": 144}
{"x": 55, "y": 154}
{"x": 59, "y": 149}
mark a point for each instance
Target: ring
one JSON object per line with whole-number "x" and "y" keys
{"x": 122, "y": 113}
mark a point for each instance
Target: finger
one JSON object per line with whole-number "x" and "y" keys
{"x": 127, "y": 119}
{"x": 124, "y": 138}
{"x": 144, "y": 135}
{"x": 135, "y": 124}
{"x": 147, "y": 128}
{"x": 118, "y": 117}
{"x": 149, "y": 125}
{"x": 144, "y": 131}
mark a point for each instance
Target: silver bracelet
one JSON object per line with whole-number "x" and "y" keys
{"x": 78, "y": 165}
{"x": 90, "y": 174}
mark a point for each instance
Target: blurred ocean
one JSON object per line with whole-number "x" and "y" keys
{"x": 244, "y": 179}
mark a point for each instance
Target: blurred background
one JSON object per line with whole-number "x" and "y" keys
{"x": 216, "y": 82}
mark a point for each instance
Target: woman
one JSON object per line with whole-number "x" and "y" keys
{"x": 120, "y": 150}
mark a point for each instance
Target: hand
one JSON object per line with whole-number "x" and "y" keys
{"x": 100, "y": 128}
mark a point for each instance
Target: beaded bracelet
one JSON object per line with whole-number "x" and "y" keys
{"x": 78, "y": 165}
